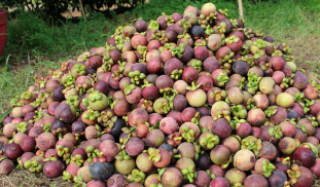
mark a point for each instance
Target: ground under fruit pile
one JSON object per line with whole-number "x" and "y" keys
{"x": 192, "y": 99}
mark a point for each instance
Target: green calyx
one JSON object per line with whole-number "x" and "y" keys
{"x": 286, "y": 82}
{"x": 245, "y": 50}
{"x": 251, "y": 143}
{"x": 22, "y": 127}
{"x": 155, "y": 185}
{"x": 95, "y": 96}
{"x": 187, "y": 134}
{"x": 68, "y": 81}
{"x": 128, "y": 88}
{"x": 107, "y": 64}
{"x": 177, "y": 51}
{"x": 142, "y": 50}
{"x": 189, "y": 173}
{"x": 232, "y": 39}
{"x": 67, "y": 176}
{"x": 33, "y": 166}
{"x": 98, "y": 101}
{"x": 267, "y": 168}
{"x": 222, "y": 79}
{"x": 79, "y": 181}
{"x": 78, "y": 69}
{"x": 270, "y": 111}
{"x": 212, "y": 176}
{"x": 218, "y": 95}
{"x": 222, "y": 28}
{"x": 63, "y": 151}
{"x": 168, "y": 93}
{"x": 199, "y": 150}
{"x": 26, "y": 95}
{"x": 78, "y": 159}
{"x": 137, "y": 176}
{"x": 137, "y": 77}
{"x": 185, "y": 24}
{"x": 92, "y": 152}
{"x": 313, "y": 121}
{"x": 92, "y": 115}
{"x": 258, "y": 54}
{"x": 161, "y": 106}
{"x": 153, "y": 25}
{"x": 196, "y": 118}
{"x": 239, "y": 111}
{"x": 260, "y": 43}
{"x": 209, "y": 141}
{"x": 107, "y": 118}
{"x": 175, "y": 74}
{"x": 294, "y": 174}
{"x": 196, "y": 64}
{"x": 222, "y": 114}
{"x": 193, "y": 86}
{"x": 123, "y": 155}
{"x": 154, "y": 154}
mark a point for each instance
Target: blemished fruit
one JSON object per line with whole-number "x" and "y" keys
{"x": 192, "y": 99}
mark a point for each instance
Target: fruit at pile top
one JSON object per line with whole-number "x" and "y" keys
{"x": 192, "y": 99}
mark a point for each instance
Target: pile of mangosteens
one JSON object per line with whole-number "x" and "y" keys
{"x": 193, "y": 100}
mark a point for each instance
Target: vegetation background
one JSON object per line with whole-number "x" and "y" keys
{"x": 38, "y": 41}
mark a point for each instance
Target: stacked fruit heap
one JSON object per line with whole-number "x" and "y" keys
{"x": 192, "y": 99}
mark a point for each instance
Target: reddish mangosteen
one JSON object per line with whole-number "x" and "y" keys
{"x": 51, "y": 153}
{"x": 316, "y": 168}
{"x": 95, "y": 183}
{"x": 304, "y": 156}
{"x": 219, "y": 182}
{"x": 306, "y": 179}
{"x": 53, "y": 169}
{"x": 28, "y": 144}
{"x": 6, "y": 166}
{"x": 12, "y": 151}
{"x": 45, "y": 141}
{"x": 256, "y": 181}
{"x": 210, "y": 64}
{"x": 134, "y": 146}
{"x": 164, "y": 81}
{"x": 116, "y": 180}
{"x": 138, "y": 116}
{"x": 222, "y": 128}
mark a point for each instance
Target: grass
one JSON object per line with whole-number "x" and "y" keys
{"x": 33, "y": 46}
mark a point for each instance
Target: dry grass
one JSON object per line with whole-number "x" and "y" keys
{"x": 23, "y": 178}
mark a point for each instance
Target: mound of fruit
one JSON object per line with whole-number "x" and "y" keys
{"x": 192, "y": 99}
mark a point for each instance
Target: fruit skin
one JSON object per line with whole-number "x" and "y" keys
{"x": 53, "y": 169}
{"x": 171, "y": 177}
{"x": 6, "y": 166}
{"x": 256, "y": 181}
{"x": 219, "y": 182}
{"x": 285, "y": 100}
{"x": 244, "y": 160}
{"x": 305, "y": 157}
{"x": 101, "y": 171}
